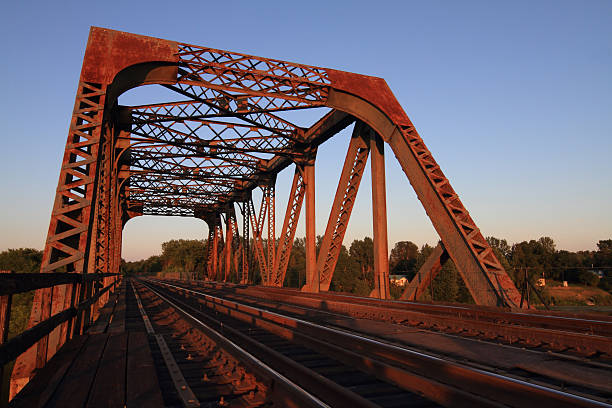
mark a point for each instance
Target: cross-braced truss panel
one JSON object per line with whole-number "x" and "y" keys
{"x": 194, "y": 153}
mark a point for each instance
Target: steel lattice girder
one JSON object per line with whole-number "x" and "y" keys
{"x": 225, "y": 137}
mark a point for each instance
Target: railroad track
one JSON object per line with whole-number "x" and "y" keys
{"x": 197, "y": 367}
{"x": 376, "y": 372}
{"x": 267, "y": 346}
{"x": 585, "y": 337}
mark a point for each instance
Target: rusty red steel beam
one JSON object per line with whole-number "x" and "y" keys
{"x": 292, "y": 215}
{"x": 373, "y": 103}
{"x": 320, "y": 132}
{"x": 379, "y": 219}
{"x": 348, "y": 186}
{"x": 68, "y": 241}
{"x": 312, "y": 277}
{"x": 259, "y": 252}
{"x": 246, "y": 244}
{"x": 236, "y": 242}
{"x": 6, "y": 301}
{"x": 270, "y": 198}
{"x": 5, "y": 313}
{"x": 215, "y": 240}
{"x": 209, "y": 251}
{"x": 229, "y": 235}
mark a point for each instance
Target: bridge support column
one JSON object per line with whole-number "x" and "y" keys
{"x": 379, "y": 218}
{"x": 271, "y": 206}
{"x": 312, "y": 276}
{"x": 257, "y": 226}
{"x": 246, "y": 242}
{"x": 229, "y": 234}
{"x": 215, "y": 237}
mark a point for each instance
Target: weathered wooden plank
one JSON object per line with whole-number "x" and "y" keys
{"x": 38, "y": 391}
{"x": 143, "y": 389}
{"x": 74, "y": 390}
{"x": 102, "y": 322}
{"x": 108, "y": 389}
{"x": 117, "y": 324}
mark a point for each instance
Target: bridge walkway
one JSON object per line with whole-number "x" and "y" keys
{"x": 109, "y": 366}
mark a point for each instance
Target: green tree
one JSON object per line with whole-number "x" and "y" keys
{"x": 445, "y": 286}
{"x": 588, "y": 278}
{"x": 362, "y": 253}
{"x": 184, "y": 256}
{"x": 403, "y": 258}
{"x": 347, "y": 275}
{"x": 501, "y": 245}
{"x": 603, "y": 255}
{"x": 296, "y": 268}
{"x": 422, "y": 256}
{"x": 22, "y": 260}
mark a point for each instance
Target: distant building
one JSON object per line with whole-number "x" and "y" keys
{"x": 399, "y": 280}
{"x": 598, "y": 273}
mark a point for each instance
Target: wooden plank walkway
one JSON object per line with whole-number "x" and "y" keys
{"x": 107, "y": 367}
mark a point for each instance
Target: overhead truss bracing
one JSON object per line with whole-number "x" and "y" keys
{"x": 229, "y": 128}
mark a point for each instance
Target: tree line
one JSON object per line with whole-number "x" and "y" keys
{"x": 354, "y": 271}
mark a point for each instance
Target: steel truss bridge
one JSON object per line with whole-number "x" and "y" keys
{"x": 225, "y": 133}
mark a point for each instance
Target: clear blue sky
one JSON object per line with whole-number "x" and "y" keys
{"x": 514, "y": 99}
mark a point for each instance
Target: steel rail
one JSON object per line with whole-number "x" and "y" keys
{"x": 326, "y": 389}
{"x": 183, "y": 389}
{"x": 565, "y": 322}
{"x": 500, "y": 388}
{"x": 311, "y": 314}
{"x": 462, "y": 319}
{"x": 304, "y": 397}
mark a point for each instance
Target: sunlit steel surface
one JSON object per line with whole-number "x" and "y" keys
{"x": 226, "y": 133}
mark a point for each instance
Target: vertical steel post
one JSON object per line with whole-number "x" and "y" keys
{"x": 215, "y": 251}
{"x": 209, "y": 248}
{"x": 246, "y": 244}
{"x": 5, "y": 318}
{"x": 312, "y": 277}
{"x": 257, "y": 226}
{"x": 229, "y": 234}
{"x": 271, "y": 204}
{"x": 379, "y": 218}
